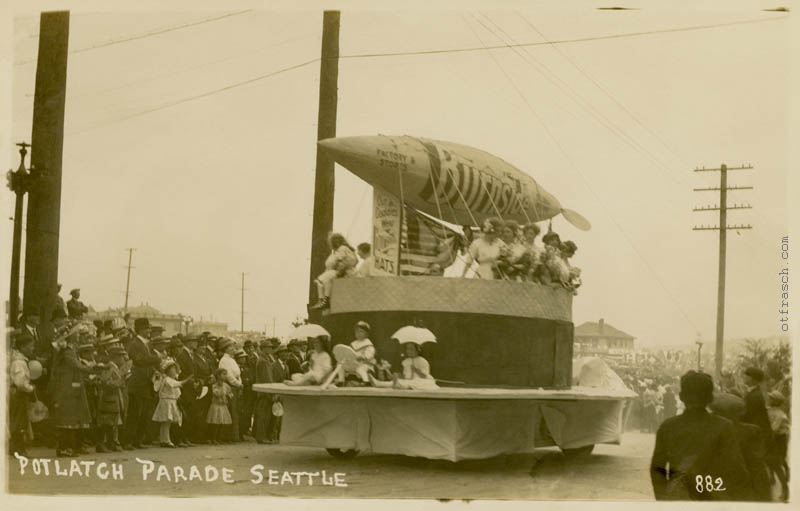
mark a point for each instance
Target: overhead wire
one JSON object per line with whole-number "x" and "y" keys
{"x": 146, "y": 34}
{"x": 198, "y": 96}
{"x": 574, "y": 166}
{"x": 584, "y": 104}
{"x": 421, "y": 52}
{"x": 563, "y": 41}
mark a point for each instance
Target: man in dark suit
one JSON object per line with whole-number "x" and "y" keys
{"x": 183, "y": 356}
{"x": 140, "y": 384}
{"x": 755, "y": 406}
{"x": 265, "y": 369}
{"x": 75, "y": 306}
{"x": 293, "y": 359}
{"x": 280, "y": 371}
{"x": 696, "y": 447}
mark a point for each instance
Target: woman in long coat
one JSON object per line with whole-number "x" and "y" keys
{"x": 70, "y": 411}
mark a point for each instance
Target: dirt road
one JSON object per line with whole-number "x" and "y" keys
{"x": 612, "y": 472}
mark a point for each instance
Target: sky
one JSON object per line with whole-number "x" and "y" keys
{"x": 211, "y": 187}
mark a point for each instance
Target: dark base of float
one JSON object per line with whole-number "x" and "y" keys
{"x": 489, "y": 333}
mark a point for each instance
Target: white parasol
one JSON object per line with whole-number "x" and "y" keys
{"x": 308, "y": 330}
{"x": 414, "y": 334}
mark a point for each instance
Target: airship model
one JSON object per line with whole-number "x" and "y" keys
{"x": 456, "y": 183}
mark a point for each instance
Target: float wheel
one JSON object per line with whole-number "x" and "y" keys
{"x": 343, "y": 454}
{"x": 586, "y": 450}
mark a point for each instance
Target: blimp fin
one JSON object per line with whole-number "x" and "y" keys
{"x": 576, "y": 219}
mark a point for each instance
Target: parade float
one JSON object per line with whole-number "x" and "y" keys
{"x": 503, "y": 357}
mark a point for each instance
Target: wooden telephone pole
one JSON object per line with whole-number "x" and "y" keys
{"x": 47, "y": 143}
{"x": 723, "y": 229}
{"x": 326, "y": 128}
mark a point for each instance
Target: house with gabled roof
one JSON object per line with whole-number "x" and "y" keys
{"x": 601, "y": 339}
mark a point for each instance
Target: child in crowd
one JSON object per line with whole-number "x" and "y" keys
{"x": 218, "y": 414}
{"x": 110, "y": 403}
{"x": 169, "y": 390}
{"x": 340, "y": 263}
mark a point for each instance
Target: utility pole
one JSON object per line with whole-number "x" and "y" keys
{"x": 47, "y": 144}
{"x": 128, "y": 282}
{"x": 241, "y": 326}
{"x": 326, "y": 128}
{"x": 18, "y": 182}
{"x": 723, "y": 229}
{"x": 273, "y": 326}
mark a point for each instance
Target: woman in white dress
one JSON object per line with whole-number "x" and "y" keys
{"x": 319, "y": 367}
{"x": 486, "y": 249}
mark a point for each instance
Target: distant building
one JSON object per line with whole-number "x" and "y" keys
{"x": 171, "y": 323}
{"x": 603, "y": 340}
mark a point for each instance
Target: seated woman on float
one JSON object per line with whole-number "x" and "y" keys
{"x": 319, "y": 366}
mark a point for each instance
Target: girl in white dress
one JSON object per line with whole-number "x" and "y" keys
{"x": 167, "y": 412}
{"x": 416, "y": 370}
{"x": 365, "y": 351}
{"x": 486, "y": 250}
{"x": 320, "y": 365}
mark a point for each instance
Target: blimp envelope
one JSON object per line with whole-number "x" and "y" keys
{"x": 453, "y": 182}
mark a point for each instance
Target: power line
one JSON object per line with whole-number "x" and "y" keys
{"x": 422, "y": 52}
{"x": 582, "y": 103}
{"x": 588, "y": 185}
{"x": 197, "y": 96}
{"x": 603, "y": 89}
{"x": 146, "y": 34}
{"x": 561, "y": 41}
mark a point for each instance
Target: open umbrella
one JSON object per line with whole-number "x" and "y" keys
{"x": 308, "y": 330}
{"x": 414, "y": 334}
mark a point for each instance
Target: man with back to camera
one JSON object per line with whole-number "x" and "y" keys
{"x": 697, "y": 455}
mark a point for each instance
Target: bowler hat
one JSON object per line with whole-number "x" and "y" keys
{"x": 140, "y": 323}
{"x": 115, "y": 349}
{"x": 265, "y": 343}
{"x": 75, "y": 291}
{"x": 175, "y": 343}
{"x": 160, "y": 340}
{"x": 248, "y": 342}
{"x": 86, "y": 343}
{"x": 240, "y": 353}
{"x": 191, "y": 339}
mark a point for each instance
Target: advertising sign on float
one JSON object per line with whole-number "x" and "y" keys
{"x": 386, "y": 228}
